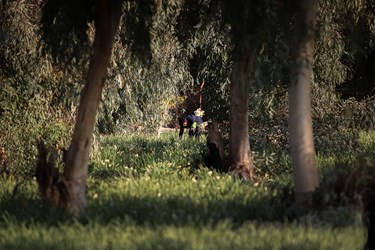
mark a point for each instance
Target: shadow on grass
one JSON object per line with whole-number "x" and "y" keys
{"x": 21, "y": 209}
{"x": 333, "y": 206}
{"x": 184, "y": 210}
{"x": 154, "y": 211}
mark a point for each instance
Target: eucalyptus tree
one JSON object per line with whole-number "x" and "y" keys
{"x": 70, "y": 190}
{"x": 302, "y": 148}
{"x": 250, "y": 26}
{"x": 82, "y": 26}
{"x": 243, "y": 24}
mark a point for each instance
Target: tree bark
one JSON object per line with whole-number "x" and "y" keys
{"x": 239, "y": 144}
{"x": 302, "y": 148}
{"x": 76, "y": 161}
{"x": 72, "y": 197}
{"x": 216, "y": 146}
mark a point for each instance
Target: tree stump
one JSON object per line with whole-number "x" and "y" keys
{"x": 216, "y": 146}
{"x": 50, "y": 180}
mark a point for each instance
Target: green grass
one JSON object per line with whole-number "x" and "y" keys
{"x": 155, "y": 193}
{"x": 128, "y": 235}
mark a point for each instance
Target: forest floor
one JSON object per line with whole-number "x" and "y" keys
{"x": 154, "y": 193}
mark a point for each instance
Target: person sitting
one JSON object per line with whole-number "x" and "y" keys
{"x": 193, "y": 123}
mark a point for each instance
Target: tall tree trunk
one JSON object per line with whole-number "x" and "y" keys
{"x": 69, "y": 191}
{"x": 305, "y": 171}
{"x": 239, "y": 144}
{"x": 76, "y": 161}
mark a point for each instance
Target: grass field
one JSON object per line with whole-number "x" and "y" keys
{"x": 147, "y": 193}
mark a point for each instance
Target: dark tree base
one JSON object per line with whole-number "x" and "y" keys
{"x": 50, "y": 181}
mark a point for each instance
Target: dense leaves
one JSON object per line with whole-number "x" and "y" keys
{"x": 137, "y": 19}
{"x": 31, "y": 98}
{"x": 163, "y": 54}
{"x": 67, "y": 20}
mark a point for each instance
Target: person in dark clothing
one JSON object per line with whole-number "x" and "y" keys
{"x": 193, "y": 123}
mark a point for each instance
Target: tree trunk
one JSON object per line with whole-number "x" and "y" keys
{"x": 73, "y": 194}
{"x": 239, "y": 145}
{"x": 216, "y": 146}
{"x": 305, "y": 171}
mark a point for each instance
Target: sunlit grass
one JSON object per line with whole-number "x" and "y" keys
{"x": 146, "y": 193}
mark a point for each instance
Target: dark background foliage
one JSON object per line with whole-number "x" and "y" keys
{"x": 163, "y": 52}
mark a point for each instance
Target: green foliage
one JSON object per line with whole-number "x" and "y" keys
{"x": 137, "y": 18}
{"x": 139, "y": 96}
{"x": 187, "y": 42}
{"x": 22, "y": 135}
{"x": 142, "y": 98}
{"x": 210, "y": 61}
{"x": 249, "y": 32}
{"x": 329, "y": 70}
{"x": 345, "y": 46}
{"x": 67, "y": 20}
{"x": 32, "y": 98}
{"x": 336, "y": 41}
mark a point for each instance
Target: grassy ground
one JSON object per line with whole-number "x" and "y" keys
{"x": 147, "y": 193}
